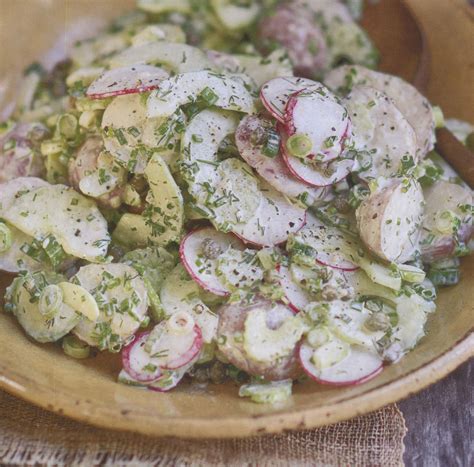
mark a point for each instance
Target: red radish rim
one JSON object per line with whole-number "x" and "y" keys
{"x": 352, "y": 268}
{"x": 189, "y": 269}
{"x": 122, "y": 92}
{"x": 270, "y": 109}
{"x": 290, "y": 304}
{"x": 149, "y": 378}
{"x": 355, "y": 382}
{"x": 189, "y": 355}
{"x": 260, "y": 245}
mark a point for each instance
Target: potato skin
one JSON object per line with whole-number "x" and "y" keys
{"x": 389, "y": 220}
{"x": 231, "y": 321}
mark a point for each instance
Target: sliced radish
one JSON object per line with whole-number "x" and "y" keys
{"x": 272, "y": 169}
{"x": 357, "y": 368}
{"x": 137, "y": 361}
{"x": 297, "y": 297}
{"x": 276, "y": 93}
{"x": 318, "y": 115}
{"x": 275, "y": 219}
{"x": 332, "y": 247}
{"x": 317, "y": 176}
{"x": 201, "y": 264}
{"x": 171, "y": 378}
{"x": 172, "y": 348}
{"x": 127, "y": 80}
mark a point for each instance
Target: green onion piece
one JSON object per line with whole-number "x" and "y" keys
{"x": 5, "y": 238}
{"x": 51, "y": 300}
{"x": 272, "y": 145}
{"x": 411, "y": 273}
{"x": 209, "y": 96}
{"x": 438, "y": 117}
{"x": 444, "y": 277}
{"x": 364, "y": 159}
{"x": 157, "y": 311}
{"x": 357, "y": 194}
{"x": 54, "y": 251}
{"x": 67, "y": 126}
{"x": 73, "y": 347}
{"x": 299, "y": 145}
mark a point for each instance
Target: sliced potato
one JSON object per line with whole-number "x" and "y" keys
{"x": 389, "y": 220}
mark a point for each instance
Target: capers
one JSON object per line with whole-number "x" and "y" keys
{"x": 377, "y": 322}
{"x": 217, "y": 372}
{"x": 210, "y": 249}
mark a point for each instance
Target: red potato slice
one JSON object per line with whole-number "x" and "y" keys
{"x": 232, "y": 325}
{"x": 380, "y": 128}
{"x": 276, "y": 93}
{"x": 201, "y": 268}
{"x": 135, "y": 360}
{"x": 19, "y": 152}
{"x": 358, "y": 367}
{"x": 411, "y": 103}
{"x": 297, "y": 297}
{"x": 272, "y": 169}
{"x": 296, "y": 31}
{"x": 438, "y": 241}
{"x": 390, "y": 219}
{"x": 317, "y": 114}
{"x": 126, "y": 80}
{"x": 274, "y": 220}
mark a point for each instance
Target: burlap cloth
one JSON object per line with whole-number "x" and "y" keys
{"x": 32, "y": 436}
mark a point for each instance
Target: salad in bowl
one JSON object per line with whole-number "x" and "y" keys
{"x": 228, "y": 191}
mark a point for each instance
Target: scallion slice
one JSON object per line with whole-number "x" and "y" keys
{"x": 73, "y": 347}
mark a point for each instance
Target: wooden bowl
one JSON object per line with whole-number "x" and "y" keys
{"x": 87, "y": 391}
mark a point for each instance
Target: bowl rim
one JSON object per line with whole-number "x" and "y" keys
{"x": 89, "y": 412}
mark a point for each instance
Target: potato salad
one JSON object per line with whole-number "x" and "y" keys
{"x": 228, "y": 191}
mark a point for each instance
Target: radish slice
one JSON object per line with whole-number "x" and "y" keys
{"x": 202, "y": 267}
{"x": 137, "y": 361}
{"x": 171, "y": 378}
{"x": 357, "y": 368}
{"x": 272, "y": 169}
{"x": 275, "y": 219}
{"x": 171, "y": 349}
{"x": 332, "y": 247}
{"x": 328, "y": 175}
{"x": 276, "y": 93}
{"x": 317, "y": 114}
{"x": 127, "y": 80}
{"x": 297, "y": 297}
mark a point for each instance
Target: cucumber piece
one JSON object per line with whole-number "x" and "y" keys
{"x": 175, "y": 57}
{"x": 236, "y": 17}
{"x": 181, "y": 293}
{"x": 267, "y": 345}
{"x": 263, "y": 69}
{"x": 13, "y": 259}
{"x": 219, "y": 90}
{"x": 123, "y": 302}
{"x": 348, "y": 324}
{"x": 227, "y": 191}
{"x": 162, "y": 220}
{"x": 71, "y": 218}
{"x": 159, "y": 7}
{"x": 23, "y": 298}
{"x": 267, "y": 393}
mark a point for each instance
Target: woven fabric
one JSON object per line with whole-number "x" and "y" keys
{"x": 32, "y": 436}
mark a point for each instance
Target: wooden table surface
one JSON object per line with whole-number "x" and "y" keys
{"x": 440, "y": 422}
